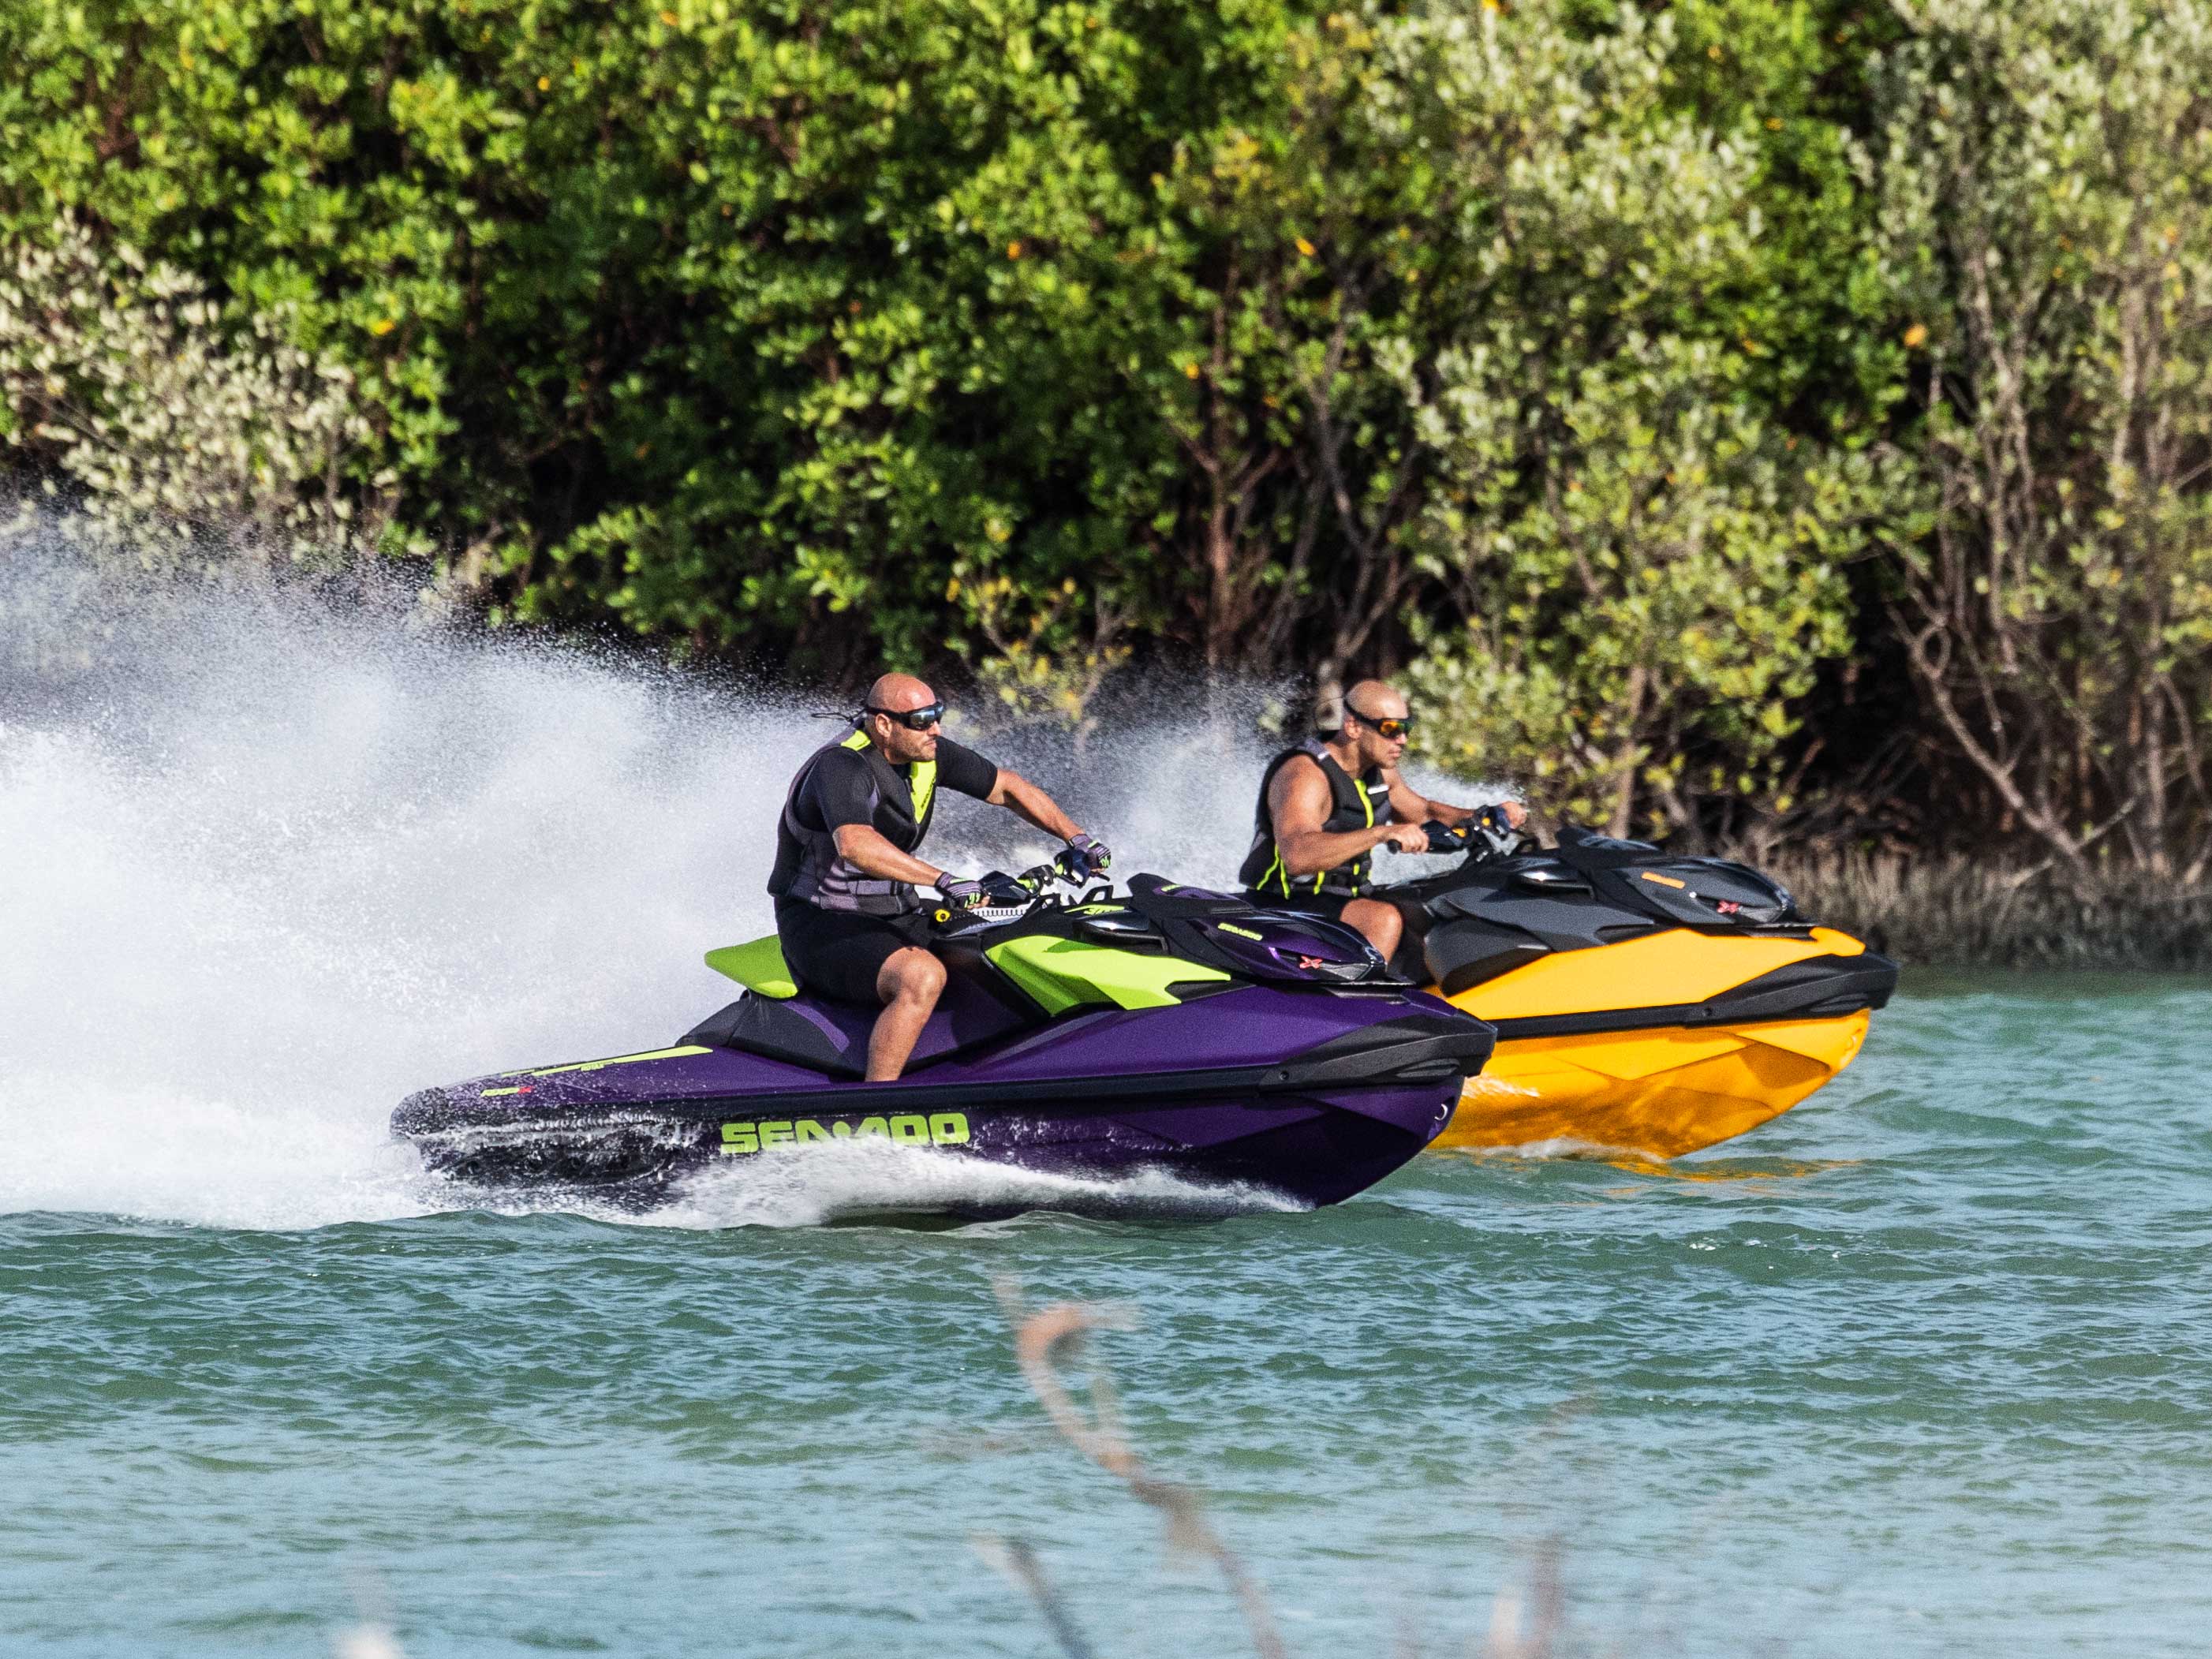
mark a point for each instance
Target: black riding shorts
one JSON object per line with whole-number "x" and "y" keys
{"x": 839, "y": 953}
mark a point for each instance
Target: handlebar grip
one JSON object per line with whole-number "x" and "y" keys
{"x": 1445, "y": 837}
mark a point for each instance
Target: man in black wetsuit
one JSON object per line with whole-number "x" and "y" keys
{"x": 846, "y": 912}
{"x": 1326, "y": 806}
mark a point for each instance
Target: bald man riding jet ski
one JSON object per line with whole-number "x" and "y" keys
{"x": 1327, "y": 804}
{"x": 846, "y": 912}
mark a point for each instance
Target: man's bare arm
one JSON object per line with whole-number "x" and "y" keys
{"x": 1024, "y": 800}
{"x": 867, "y": 849}
{"x": 1298, "y": 802}
{"x": 1409, "y": 803}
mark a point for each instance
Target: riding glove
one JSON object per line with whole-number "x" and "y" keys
{"x": 991, "y": 889}
{"x": 1084, "y": 857}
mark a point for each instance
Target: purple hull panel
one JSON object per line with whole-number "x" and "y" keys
{"x": 1247, "y": 1027}
{"x": 1316, "y": 1097}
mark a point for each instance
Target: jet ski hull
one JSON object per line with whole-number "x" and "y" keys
{"x": 1659, "y": 1093}
{"x": 1588, "y": 1058}
{"x": 1313, "y": 1097}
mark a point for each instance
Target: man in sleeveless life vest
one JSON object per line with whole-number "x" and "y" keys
{"x": 1326, "y": 806}
{"x": 846, "y": 912}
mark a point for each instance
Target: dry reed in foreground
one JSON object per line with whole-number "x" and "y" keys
{"x": 1052, "y": 1339}
{"x": 1048, "y": 1343}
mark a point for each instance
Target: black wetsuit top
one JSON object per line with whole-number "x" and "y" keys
{"x": 850, "y": 781}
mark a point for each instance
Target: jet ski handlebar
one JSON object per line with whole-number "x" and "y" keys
{"x": 1009, "y": 898}
{"x": 1488, "y": 834}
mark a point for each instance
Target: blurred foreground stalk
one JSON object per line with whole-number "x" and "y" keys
{"x": 1052, "y": 1338}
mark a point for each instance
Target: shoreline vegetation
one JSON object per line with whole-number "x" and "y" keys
{"x": 1773, "y": 426}
{"x": 1961, "y": 912}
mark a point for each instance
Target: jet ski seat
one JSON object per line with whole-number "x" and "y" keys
{"x": 829, "y": 1034}
{"x": 758, "y": 966}
{"x": 783, "y": 1030}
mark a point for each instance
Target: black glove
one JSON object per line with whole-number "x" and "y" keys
{"x": 990, "y": 890}
{"x": 1493, "y": 829}
{"x": 1083, "y": 858}
{"x": 1446, "y": 837}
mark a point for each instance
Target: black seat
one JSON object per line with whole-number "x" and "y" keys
{"x": 764, "y": 1025}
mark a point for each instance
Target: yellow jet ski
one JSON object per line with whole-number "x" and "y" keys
{"x": 1644, "y": 1003}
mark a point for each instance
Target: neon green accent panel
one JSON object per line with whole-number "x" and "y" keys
{"x": 1366, "y": 806}
{"x": 1066, "y": 973}
{"x": 611, "y": 1059}
{"x": 758, "y": 966}
{"x": 1024, "y": 960}
{"x": 920, "y": 783}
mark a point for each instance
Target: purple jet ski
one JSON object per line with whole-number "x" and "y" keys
{"x": 1103, "y": 1035}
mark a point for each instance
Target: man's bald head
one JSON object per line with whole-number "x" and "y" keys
{"x": 899, "y": 693}
{"x": 1374, "y": 700}
{"x": 1368, "y": 707}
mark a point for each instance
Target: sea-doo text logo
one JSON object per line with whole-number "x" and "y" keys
{"x": 909, "y": 1129}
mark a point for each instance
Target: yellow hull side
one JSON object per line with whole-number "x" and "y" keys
{"x": 1661, "y": 1091}
{"x": 1657, "y": 1093}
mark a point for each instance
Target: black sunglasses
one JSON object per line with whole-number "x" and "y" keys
{"x": 1383, "y": 728}
{"x": 914, "y": 719}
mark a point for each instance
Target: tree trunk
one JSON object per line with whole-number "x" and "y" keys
{"x": 1624, "y": 757}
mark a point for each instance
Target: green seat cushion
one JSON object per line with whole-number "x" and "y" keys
{"x": 758, "y": 966}
{"x": 1063, "y": 973}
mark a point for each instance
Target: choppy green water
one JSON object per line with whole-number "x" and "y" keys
{"x": 1923, "y": 1367}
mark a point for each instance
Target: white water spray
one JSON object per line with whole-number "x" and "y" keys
{"x": 293, "y": 865}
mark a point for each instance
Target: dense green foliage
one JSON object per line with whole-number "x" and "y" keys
{"x": 1635, "y": 380}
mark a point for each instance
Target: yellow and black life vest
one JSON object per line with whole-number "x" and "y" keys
{"x": 807, "y": 863}
{"x": 1353, "y": 806}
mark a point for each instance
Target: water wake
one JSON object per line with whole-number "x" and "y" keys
{"x": 871, "y": 1179}
{"x": 278, "y": 866}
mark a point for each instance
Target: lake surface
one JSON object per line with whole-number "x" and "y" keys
{"x": 1923, "y": 1367}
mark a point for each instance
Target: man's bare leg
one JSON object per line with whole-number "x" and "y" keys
{"x": 909, "y": 984}
{"x": 1380, "y": 924}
